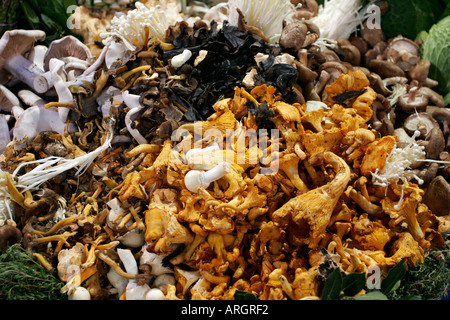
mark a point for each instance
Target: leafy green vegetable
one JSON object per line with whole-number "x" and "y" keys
{"x": 353, "y": 284}
{"x": 409, "y": 17}
{"x": 436, "y": 49}
{"x": 333, "y": 286}
{"x": 22, "y": 277}
{"x": 393, "y": 278}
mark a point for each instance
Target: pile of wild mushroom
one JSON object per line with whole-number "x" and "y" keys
{"x": 193, "y": 155}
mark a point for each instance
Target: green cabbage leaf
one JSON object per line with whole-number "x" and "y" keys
{"x": 436, "y": 49}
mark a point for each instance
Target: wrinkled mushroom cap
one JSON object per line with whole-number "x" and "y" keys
{"x": 14, "y": 42}
{"x": 68, "y": 46}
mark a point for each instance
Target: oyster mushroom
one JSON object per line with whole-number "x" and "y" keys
{"x": 315, "y": 207}
{"x": 13, "y": 45}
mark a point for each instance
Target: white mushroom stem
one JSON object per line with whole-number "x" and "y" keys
{"x": 132, "y": 102}
{"x": 195, "y": 179}
{"x": 200, "y": 151}
{"x": 59, "y": 83}
{"x": 27, "y": 72}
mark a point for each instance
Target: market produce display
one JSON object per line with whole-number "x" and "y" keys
{"x": 186, "y": 150}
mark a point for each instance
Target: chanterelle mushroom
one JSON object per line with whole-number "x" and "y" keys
{"x": 315, "y": 207}
{"x": 13, "y": 45}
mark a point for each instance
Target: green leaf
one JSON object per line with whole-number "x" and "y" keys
{"x": 372, "y": 295}
{"x": 353, "y": 283}
{"x": 30, "y": 14}
{"x": 243, "y": 295}
{"x": 49, "y": 23}
{"x": 393, "y": 278}
{"x": 409, "y": 17}
{"x": 333, "y": 286}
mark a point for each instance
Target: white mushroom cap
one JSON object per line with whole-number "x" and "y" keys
{"x": 68, "y": 46}
{"x": 8, "y": 100}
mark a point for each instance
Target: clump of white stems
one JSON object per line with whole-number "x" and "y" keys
{"x": 53, "y": 166}
{"x": 339, "y": 18}
{"x": 140, "y": 24}
{"x": 267, "y": 15}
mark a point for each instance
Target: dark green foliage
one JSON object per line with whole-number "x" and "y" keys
{"x": 47, "y": 15}
{"x": 429, "y": 280}
{"x": 22, "y": 277}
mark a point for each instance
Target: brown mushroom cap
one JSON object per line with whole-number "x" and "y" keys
{"x": 386, "y": 69}
{"x": 8, "y": 236}
{"x": 437, "y": 196}
{"x": 442, "y": 116}
{"x": 293, "y": 35}
{"x": 413, "y": 102}
{"x": 402, "y": 51}
{"x": 68, "y": 46}
{"x": 422, "y": 121}
{"x": 16, "y": 42}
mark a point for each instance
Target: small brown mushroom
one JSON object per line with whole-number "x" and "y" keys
{"x": 372, "y": 35}
{"x": 434, "y": 97}
{"x": 9, "y": 235}
{"x": 434, "y": 143}
{"x": 403, "y": 52}
{"x": 386, "y": 69}
{"x": 442, "y": 116}
{"x": 437, "y": 196}
{"x": 348, "y": 51}
{"x": 420, "y": 70}
{"x": 293, "y": 35}
{"x": 422, "y": 121}
{"x": 413, "y": 101}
